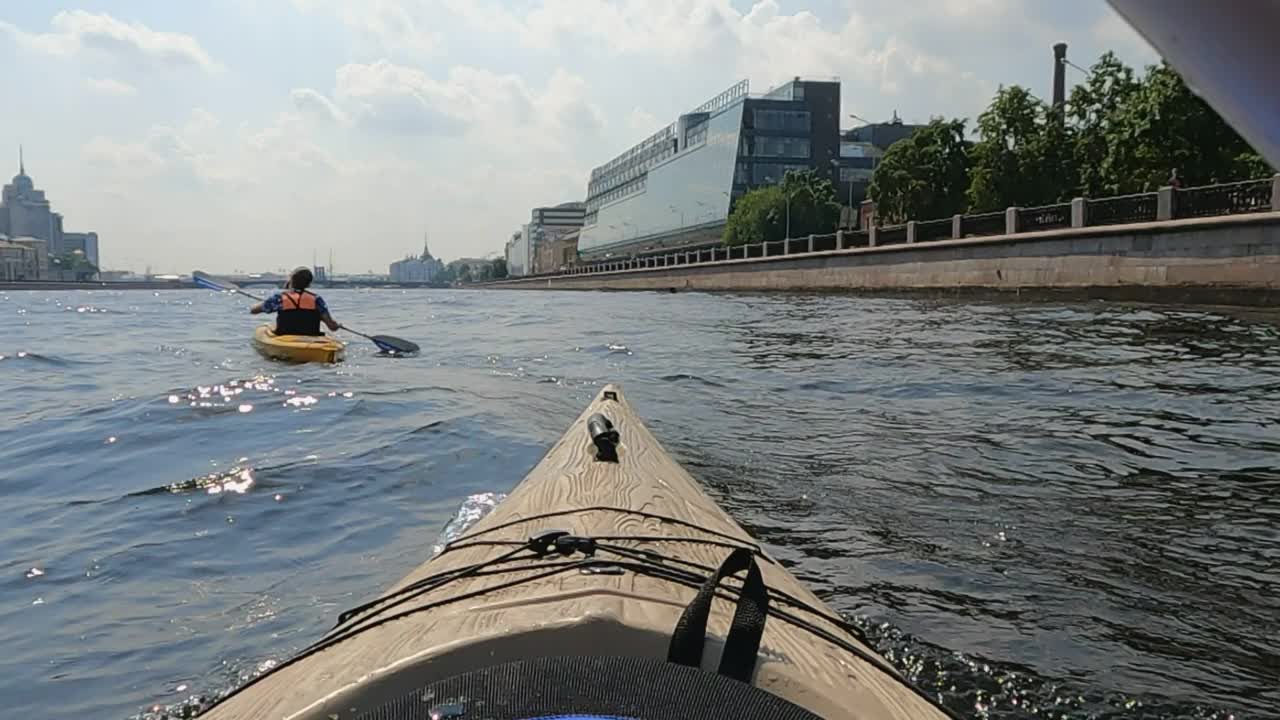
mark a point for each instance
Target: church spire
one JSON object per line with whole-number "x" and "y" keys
{"x": 22, "y": 165}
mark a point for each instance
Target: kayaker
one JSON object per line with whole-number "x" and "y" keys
{"x": 298, "y": 310}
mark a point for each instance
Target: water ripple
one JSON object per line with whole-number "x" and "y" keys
{"x": 1064, "y": 511}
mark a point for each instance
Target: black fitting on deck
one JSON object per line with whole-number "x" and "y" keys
{"x": 604, "y": 436}
{"x": 562, "y": 542}
{"x": 544, "y": 540}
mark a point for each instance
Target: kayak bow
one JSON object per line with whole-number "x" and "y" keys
{"x": 599, "y": 586}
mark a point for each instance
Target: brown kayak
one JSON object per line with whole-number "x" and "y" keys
{"x": 588, "y": 592}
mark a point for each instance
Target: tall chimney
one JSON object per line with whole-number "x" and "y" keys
{"x": 1059, "y": 72}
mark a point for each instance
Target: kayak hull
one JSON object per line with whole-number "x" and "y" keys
{"x": 479, "y": 620}
{"x": 298, "y": 348}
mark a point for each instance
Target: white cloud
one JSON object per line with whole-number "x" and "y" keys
{"x": 109, "y": 86}
{"x": 132, "y": 44}
{"x": 385, "y": 25}
{"x": 642, "y": 123}
{"x": 391, "y": 99}
{"x": 190, "y": 154}
{"x": 314, "y": 104}
{"x": 389, "y": 118}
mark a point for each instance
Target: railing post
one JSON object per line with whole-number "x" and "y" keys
{"x": 1078, "y": 209}
{"x": 810, "y": 242}
{"x": 1010, "y": 220}
{"x": 1275, "y": 193}
{"x": 840, "y": 239}
{"x": 957, "y": 227}
{"x": 911, "y": 232}
{"x": 872, "y": 235}
{"x": 786, "y": 246}
{"x": 1166, "y": 203}
{"x": 764, "y": 249}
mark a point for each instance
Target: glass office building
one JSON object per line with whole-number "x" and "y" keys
{"x": 676, "y": 188}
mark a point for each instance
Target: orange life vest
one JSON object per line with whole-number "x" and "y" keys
{"x": 298, "y": 314}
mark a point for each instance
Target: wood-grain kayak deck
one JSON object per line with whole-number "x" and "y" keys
{"x": 644, "y": 500}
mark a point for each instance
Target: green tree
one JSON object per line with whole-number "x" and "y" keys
{"x": 1131, "y": 132}
{"x": 923, "y": 176}
{"x": 761, "y": 215}
{"x": 499, "y": 266}
{"x": 756, "y": 217}
{"x": 813, "y": 205}
{"x": 464, "y": 273}
{"x": 1171, "y": 127}
{"x": 1099, "y": 152}
{"x": 73, "y": 266}
{"x": 1023, "y": 155}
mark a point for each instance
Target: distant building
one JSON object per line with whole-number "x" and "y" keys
{"x": 421, "y": 269}
{"x": 473, "y": 269}
{"x": 860, "y": 151}
{"x": 86, "y": 243}
{"x": 882, "y": 135}
{"x": 37, "y": 251}
{"x": 546, "y": 225}
{"x": 25, "y": 212}
{"x": 677, "y": 187}
{"x": 517, "y": 253}
{"x": 565, "y": 216}
{"x": 557, "y": 253}
{"x": 19, "y": 261}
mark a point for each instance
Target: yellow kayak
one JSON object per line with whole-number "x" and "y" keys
{"x": 297, "y": 348}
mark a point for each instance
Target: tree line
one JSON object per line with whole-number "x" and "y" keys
{"x": 463, "y": 272}
{"x": 1118, "y": 133}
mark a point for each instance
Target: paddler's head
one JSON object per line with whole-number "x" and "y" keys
{"x": 300, "y": 279}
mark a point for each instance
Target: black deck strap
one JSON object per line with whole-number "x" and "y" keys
{"x": 743, "y": 643}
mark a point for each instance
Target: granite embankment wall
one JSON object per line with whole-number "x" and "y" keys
{"x": 1231, "y": 259}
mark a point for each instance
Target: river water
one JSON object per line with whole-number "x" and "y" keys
{"x": 1037, "y": 510}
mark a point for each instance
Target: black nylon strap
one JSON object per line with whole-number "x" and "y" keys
{"x": 743, "y": 642}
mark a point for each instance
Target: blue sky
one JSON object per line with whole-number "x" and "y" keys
{"x": 248, "y": 134}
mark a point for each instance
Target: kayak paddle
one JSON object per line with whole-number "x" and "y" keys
{"x": 385, "y": 343}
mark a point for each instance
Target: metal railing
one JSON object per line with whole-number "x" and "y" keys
{"x": 931, "y": 230}
{"x": 1047, "y": 217}
{"x": 891, "y": 235}
{"x": 1142, "y": 207}
{"x": 982, "y": 224}
{"x": 1250, "y": 196}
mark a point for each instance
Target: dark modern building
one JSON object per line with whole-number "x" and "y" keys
{"x": 565, "y": 216}
{"x": 882, "y": 135}
{"x": 860, "y": 151}
{"x": 676, "y": 188}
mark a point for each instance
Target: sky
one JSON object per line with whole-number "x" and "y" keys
{"x": 257, "y": 134}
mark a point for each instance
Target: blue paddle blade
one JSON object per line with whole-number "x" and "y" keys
{"x": 204, "y": 281}
{"x": 394, "y": 345}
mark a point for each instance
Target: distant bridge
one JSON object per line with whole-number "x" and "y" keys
{"x": 332, "y": 283}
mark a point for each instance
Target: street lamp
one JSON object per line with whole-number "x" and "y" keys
{"x": 789, "y": 196}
